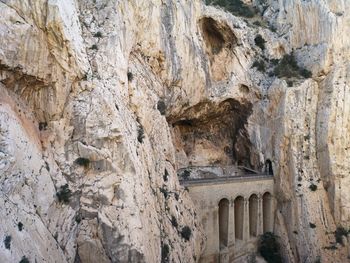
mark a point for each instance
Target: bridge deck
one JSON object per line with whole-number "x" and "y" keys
{"x": 226, "y": 179}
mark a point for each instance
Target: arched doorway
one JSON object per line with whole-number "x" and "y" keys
{"x": 253, "y": 215}
{"x": 268, "y": 167}
{"x": 267, "y": 212}
{"x": 239, "y": 212}
{"x": 223, "y": 222}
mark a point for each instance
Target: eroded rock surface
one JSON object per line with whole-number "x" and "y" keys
{"x": 101, "y": 102}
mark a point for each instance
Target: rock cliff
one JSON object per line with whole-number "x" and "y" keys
{"x": 101, "y": 102}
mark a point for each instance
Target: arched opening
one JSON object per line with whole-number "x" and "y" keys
{"x": 239, "y": 212}
{"x": 223, "y": 222}
{"x": 268, "y": 167}
{"x": 253, "y": 215}
{"x": 267, "y": 212}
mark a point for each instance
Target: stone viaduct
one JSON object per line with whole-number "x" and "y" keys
{"x": 234, "y": 212}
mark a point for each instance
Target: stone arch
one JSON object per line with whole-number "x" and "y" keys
{"x": 267, "y": 212}
{"x": 253, "y": 215}
{"x": 268, "y": 167}
{"x": 239, "y": 214}
{"x": 224, "y": 205}
{"x": 222, "y": 198}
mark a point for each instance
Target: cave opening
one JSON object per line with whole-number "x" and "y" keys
{"x": 216, "y": 35}
{"x": 211, "y": 134}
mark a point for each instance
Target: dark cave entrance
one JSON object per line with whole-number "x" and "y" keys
{"x": 211, "y": 134}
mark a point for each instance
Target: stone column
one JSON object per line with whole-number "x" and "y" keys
{"x": 231, "y": 224}
{"x": 260, "y": 228}
{"x": 214, "y": 241}
{"x": 246, "y": 232}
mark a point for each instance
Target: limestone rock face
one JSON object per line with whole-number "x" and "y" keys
{"x": 101, "y": 102}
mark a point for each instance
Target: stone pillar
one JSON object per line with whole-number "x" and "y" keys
{"x": 231, "y": 224}
{"x": 214, "y": 242}
{"x": 246, "y": 233}
{"x": 260, "y": 228}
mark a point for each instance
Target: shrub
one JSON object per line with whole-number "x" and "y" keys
{"x": 7, "y": 242}
{"x": 257, "y": 23}
{"x": 339, "y": 233}
{"x": 259, "y": 65}
{"x": 236, "y": 7}
{"x": 186, "y": 233}
{"x": 269, "y": 248}
{"x": 174, "y": 221}
{"x": 313, "y": 187}
{"x": 24, "y": 260}
{"x": 78, "y": 218}
{"x": 260, "y": 42}
{"x": 288, "y": 68}
{"x": 185, "y": 174}
{"x": 82, "y": 161}
{"x": 165, "y": 253}
{"x": 20, "y": 226}
{"x": 312, "y": 225}
{"x": 305, "y": 73}
{"x": 166, "y": 175}
{"x": 42, "y": 126}
{"x": 94, "y": 47}
{"x": 140, "y": 134}
{"x": 164, "y": 192}
{"x": 161, "y": 107}
{"x": 130, "y": 76}
{"x": 98, "y": 34}
{"x": 64, "y": 194}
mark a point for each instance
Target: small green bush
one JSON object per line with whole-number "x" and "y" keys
{"x": 260, "y": 42}
{"x": 98, "y": 34}
{"x": 165, "y": 253}
{"x": 185, "y": 174}
{"x": 166, "y": 175}
{"x": 7, "y": 242}
{"x": 313, "y": 187}
{"x": 257, "y": 23}
{"x": 269, "y": 248}
{"x": 259, "y": 65}
{"x": 64, "y": 194}
{"x": 174, "y": 221}
{"x": 305, "y": 73}
{"x": 20, "y": 226}
{"x": 140, "y": 134}
{"x": 236, "y": 7}
{"x": 161, "y": 107}
{"x": 186, "y": 233}
{"x": 82, "y": 161}
{"x": 339, "y": 233}
{"x": 24, "y": 260}
{"x": 94, "y": 47}
{"x": 130, "y": 76}
{"x": 288, "y": 68}
{"x": 164, "y": 192}
{"x": 42, "y": 126}
{"x": 312, "y": 225}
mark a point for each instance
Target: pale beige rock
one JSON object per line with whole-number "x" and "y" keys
{"x": 91, "y": 74}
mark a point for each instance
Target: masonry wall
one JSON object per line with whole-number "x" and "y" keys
{"x": 207, "y": 196}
